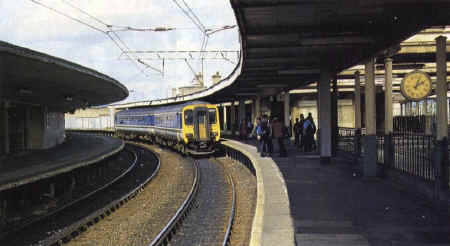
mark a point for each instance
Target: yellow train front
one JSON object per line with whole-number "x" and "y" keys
{"x": 191, "y": 127}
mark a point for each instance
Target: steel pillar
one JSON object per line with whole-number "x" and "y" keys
{"x": 287, "y": 109}
{"x": 357, "y": 100}
{"x": 370, "y": 140}
{"x": 388, "y": 115}
{"x": 334, "y": 117}
{"x": 225, "y": 126}
{"x": 441, "y": 164}
{"x": 325, "y": 116}
{"x": 242, "y": 112}
{"x": 233, "y": 118}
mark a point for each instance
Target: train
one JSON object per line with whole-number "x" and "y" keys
{"x": 190, "y": 128}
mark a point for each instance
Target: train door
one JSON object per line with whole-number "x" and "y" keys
{"x": 201, "y": 124}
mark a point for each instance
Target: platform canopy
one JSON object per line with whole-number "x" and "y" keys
{"x": 31, "y": 77}
{"x": 287, "y": 43}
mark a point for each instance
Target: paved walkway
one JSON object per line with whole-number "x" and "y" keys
{"x": 76, "y": 151}
{"x": 333, "y": 205}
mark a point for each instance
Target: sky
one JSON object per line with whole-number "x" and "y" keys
{"x": 28, "y": 24}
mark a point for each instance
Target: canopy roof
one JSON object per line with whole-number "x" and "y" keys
{"x": 31, "y": 77}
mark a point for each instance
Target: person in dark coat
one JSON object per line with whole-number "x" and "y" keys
{"x": 266, "y": 136}
{"x": 297, "y": 130}
{"x": 279, "y": 134}
{"x": 301, "y": 136}
{"x": 269, "y": 138}
{"x": 309, "y": 129}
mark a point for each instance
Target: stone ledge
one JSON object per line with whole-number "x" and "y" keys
{"x": 274, "y": 227}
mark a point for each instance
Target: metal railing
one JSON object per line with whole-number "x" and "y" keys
{"x": 408, "y": 152}
{"x": 410, "y": 123}
{"x": 413, "y": 154}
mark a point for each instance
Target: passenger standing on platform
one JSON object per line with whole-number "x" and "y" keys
{"x": 297, "y": 130}
{"x": 279, "y": 134}
{"x": 259, "y": 135}
{"x": 301, "y": 136}
{"x": 249, "y": 127}
{"x": 270, "y": 136}
{"x": 265, "y": 136}
{"x": 309, "y": 129}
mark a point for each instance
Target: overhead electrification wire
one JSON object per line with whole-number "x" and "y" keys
{"x": 111, "y": 30}
{"x": 86, "y": 13}
{"x": 190, "y": 14}
{"x": 195, "y": 16}
{"x": 68, "y": 16}
{"x": 119, "y": 42}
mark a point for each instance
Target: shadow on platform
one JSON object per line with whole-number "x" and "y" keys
{"x": 332, "y": 204}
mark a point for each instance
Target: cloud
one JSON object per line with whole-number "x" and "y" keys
{"x": 26, "y": 24}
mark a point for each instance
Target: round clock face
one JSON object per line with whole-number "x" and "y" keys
{"x": 416, "y": 85}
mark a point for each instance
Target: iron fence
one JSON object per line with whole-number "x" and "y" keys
{"x": 380, "y": 148}
{"x": 413, "y": 154}
{"x": 410, "y": 123}
{"x": 409, "y": 152}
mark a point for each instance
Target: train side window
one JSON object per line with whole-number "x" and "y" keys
{"x": 212, "y": 116}
{"x": 188, "y": 117}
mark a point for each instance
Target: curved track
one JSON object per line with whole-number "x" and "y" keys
{"x": 72, "y": 219}
{"x": 211, "y": 212}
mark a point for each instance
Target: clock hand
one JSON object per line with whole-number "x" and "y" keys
{"x": 417, "y": 84}
{"x": 421, "y": 83}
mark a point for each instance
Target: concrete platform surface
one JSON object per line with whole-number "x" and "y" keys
{"x": 76, "y": 151}
{"x": 272, "y": 223}
{"x": 332, "y": 204}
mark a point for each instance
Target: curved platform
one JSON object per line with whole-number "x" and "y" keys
{"x": 75, "y": 152}
{"x": 301, "y": 199}
{"x": 272, "y": 223}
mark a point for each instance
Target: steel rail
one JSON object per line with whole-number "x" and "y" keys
{"x": 163, "y": 237}
{"x": 73, "y": 230}
{"x": 30, "y": 221}
{"x": 226, "y": 240}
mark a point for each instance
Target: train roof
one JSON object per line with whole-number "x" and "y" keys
{"x": 159, "y": 109}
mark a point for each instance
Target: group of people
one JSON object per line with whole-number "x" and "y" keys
{"x": 267, "y": 129}
{"x": 304, "y": 130}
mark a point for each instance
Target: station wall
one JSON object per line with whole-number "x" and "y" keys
{"x": 26, "y": 127}
{"x": 54, "y": 132}
{"x": 91, "y": 118}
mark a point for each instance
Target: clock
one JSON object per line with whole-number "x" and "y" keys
{"x": 416, "y": 85}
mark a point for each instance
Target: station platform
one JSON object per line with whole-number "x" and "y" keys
{"x": 332, "y": 204}
{"x": 76, "y": 151}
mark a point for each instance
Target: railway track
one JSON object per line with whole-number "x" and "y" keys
{"x": 207, "y": 215}
{"x": 67, "y": 222}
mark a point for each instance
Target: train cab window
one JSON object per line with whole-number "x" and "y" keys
{"x": 212, "y": 116}
{"x": 188, "y": 117}
{"x": 201, "y": 117}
